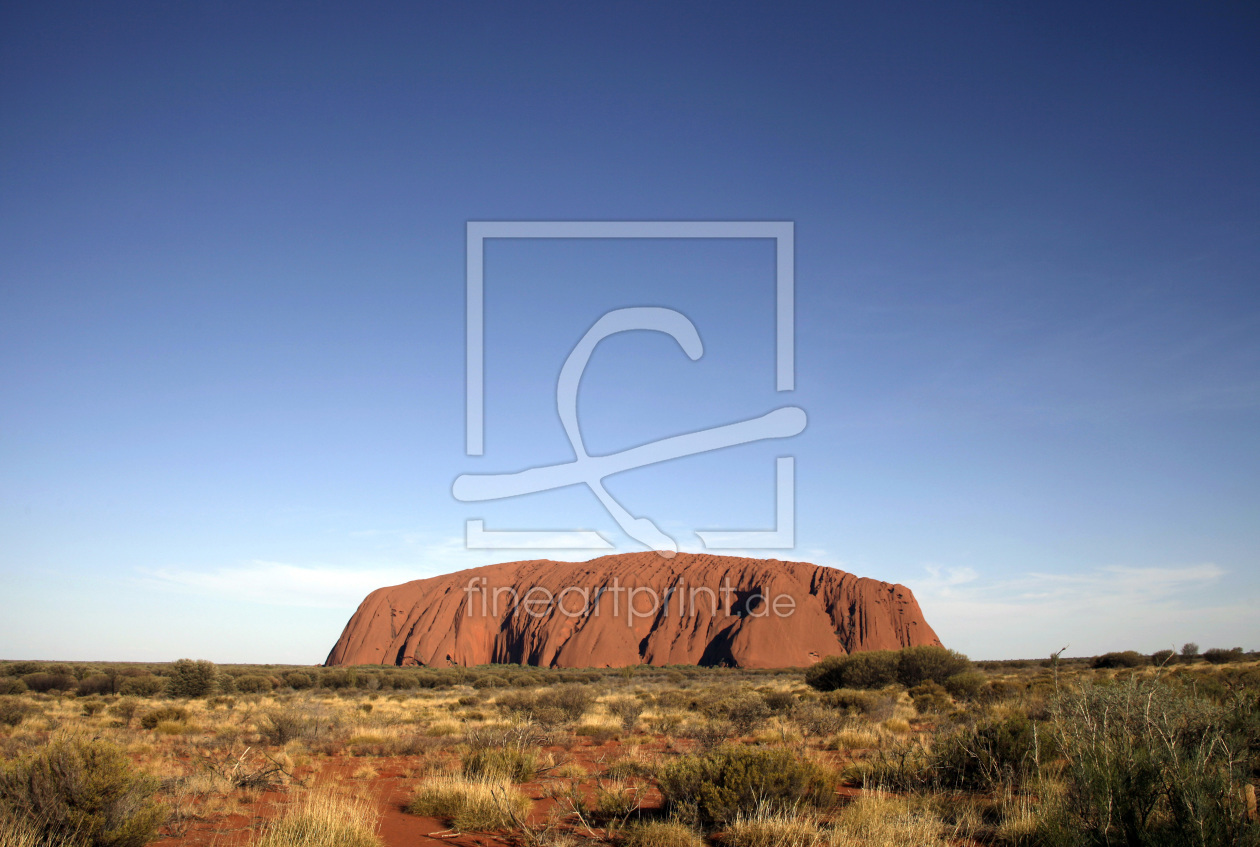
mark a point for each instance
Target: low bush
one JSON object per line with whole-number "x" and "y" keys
{"x": 614, "y": 801}
{"x": 85, "y": 792}
{"x": 126, "y": 709}
{"x": 280, "y": 726}
{"x": 163, "y": 714}
{"x": 875, "y": 669}
{"x": 714, "y": 787}
{"x": 549, "y": 708}
{"x": 253, "y": 684}
{"x": 992, "y": 753}
{"x": 1151, "y": 764}
{"x": 626, "y": 710}
{"x": 45, "y": 682}
{"x": 188, "y": 678}
{"x": 95, "y": 685}
{"x": 851, "y": 702}
{"x": 1123, "y": 659}
{"x": 11, "y": 685}
{"x": 13, "y": 710}
{"x": 930, "y": 697}
{"x": 1217, "y": 656}
{"x": 298, "y": 680}
{"x": 146, "y": 685}
{"x": 968, "y": 685}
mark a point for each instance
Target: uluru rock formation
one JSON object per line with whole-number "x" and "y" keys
{"x": 631, "y": 609}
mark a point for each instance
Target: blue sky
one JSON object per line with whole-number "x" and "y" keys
{"x": 232, "y": 305}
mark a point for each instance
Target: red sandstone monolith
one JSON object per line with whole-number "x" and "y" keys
{"x": 632, "y": 609}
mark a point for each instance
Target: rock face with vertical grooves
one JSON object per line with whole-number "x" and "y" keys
{"x": 632, "y": 609}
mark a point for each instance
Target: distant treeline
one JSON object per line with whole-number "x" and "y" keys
{"x": 191, "y": 678}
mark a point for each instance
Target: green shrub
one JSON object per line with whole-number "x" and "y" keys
{"x": 917, "y": 665}
{"x": 1124, "y": 659}
{"x": 555, "y": 706}
{"x": 875, "y": 669}
{"x": 1217, "y": 656}
{"x": 252, "y": 684}
{"x": 930, "y": 697}
{"x": 10, "y": 685}
{"x": 1163, "y": 657}
{"x": 45, "y": 682}
{"x": 991, "y": 753}
{"x": 626, "y": 710}
{"x": 858, "y": 670}
{"x": 280, "y": 726}
{"x": 13, "y": 710}
{"x": 746, "y": 712}
{"x": 95, "y": 685}
{"x": 298, "y": 680}
{"x": 850, "y": 702}
{"x": 1149, "y": 764}
{"x": 163, "y": 714}
{"x": 968, "y": 685}
{"x": 716, "y": 786}
{"x": 83, "y": 792}
{"x": 146, "y": 685}
{"x": 126, "y": 709}
{"x": 188, "y": 678}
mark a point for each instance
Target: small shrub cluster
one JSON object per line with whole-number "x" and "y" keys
{"x": 1150, "y": 764}
{"x": 188, "y": 678}
{"x": 1217, "y": 656}
{"x": 14, "y": 710}
{"x": 45, "y": 682}
{"x": 83, "y": 792}
{"x": 551, "y": 707}
{"x": 713, "y": 788}
{"x": 1123, "y": 659}
{"x": 992, "y": 753}
{"x": 163, "y": 714}
{"x": 875, "y": 669}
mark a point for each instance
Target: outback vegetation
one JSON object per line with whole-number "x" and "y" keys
{"x": 890, "y": 749}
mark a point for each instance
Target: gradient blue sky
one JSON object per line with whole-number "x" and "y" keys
{"x": 232, "y": 287}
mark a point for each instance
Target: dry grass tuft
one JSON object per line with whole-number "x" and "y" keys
{"x": 787, "y": 828}
{"x": 662, "y": 834}
{"x": 887, "y": 822}
{"x": 474, "y": 805}
{"x": 323, "y": 819}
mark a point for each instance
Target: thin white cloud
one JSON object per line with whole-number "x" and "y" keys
{"x": 333, "y": 586}
{"x": 280, "y": 584}
{"x": 1110, "y": 608}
